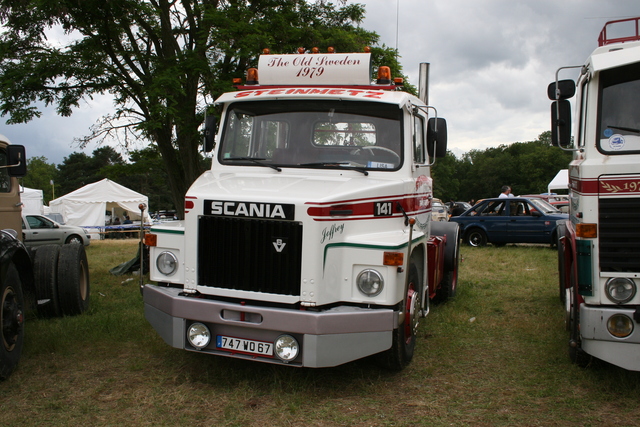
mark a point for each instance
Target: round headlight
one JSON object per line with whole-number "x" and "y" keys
{"x": 198, "y": 335}
{"x": 370, "y": 282}
{"x": 620, "y": 325}
{"x": 167, "y": 263}
{"x": 620, "y": 289}
{"x": 286, "y": 348}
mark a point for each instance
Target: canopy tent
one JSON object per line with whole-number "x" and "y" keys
{"x": 86, "y": 207}
{"x": 560, "y": 181}
{"x": 32, "y": 201}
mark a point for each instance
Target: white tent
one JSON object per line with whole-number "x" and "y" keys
{"x": 32, "y": 201}
{"x": 86, "y": 206}
{"x": 560, "y": 181}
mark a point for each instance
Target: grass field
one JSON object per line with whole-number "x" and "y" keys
{"x": 495, "y": 355}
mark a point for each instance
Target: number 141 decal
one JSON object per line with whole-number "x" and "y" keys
{"x": 383, "y": 209}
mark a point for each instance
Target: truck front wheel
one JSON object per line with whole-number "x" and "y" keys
{"x": 404, "y": 336}
{"x": 11, "y": 321}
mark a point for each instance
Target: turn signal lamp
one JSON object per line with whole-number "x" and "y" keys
{"x": 252, "y": 76}
{"x": 384, "y": 75}
{"x": 151, "y": 239}
{"x": 587, "y": 230}
{"x": 393, "y": 258}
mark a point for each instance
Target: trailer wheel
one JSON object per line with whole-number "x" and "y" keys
{"x": 576, "y": 353}
{"x": 45, "y": 274}
{"x": 73, "y": 280}
{"x": 404, "y": 336}
{"x": 476, "y": 238}
{"x": 11, "y": 321}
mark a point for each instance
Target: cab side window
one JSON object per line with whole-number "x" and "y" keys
{"x": 418, "y": 140}
{"x": 5, "y": 179}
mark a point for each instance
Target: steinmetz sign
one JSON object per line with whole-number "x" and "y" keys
{"x": 315, "y": 69}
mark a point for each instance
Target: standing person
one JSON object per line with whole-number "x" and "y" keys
{"x": 506, "y": 192}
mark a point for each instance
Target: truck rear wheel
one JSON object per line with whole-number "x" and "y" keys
{"x": 73, "y": 280}
{"x": 404, "y": 336}
{"x": 11, "y": 321}
{"x": 449, "y": 285}
{"x": 45, "y": 274}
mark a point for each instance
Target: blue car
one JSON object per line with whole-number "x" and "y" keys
{"x": 510, "y": 220}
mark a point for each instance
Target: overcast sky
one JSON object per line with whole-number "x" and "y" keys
{"x": 491, "y": 62}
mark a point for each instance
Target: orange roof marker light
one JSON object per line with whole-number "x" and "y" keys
{"x": 315, "y": 50}
{"x": 266, "y": 51}
{"x": 367, "y": 49}
{"x": 252, "y": 76}
{"x": 384, "y": 75}
{"x": 331, "y": 49}
{"x": 301, "y": 50}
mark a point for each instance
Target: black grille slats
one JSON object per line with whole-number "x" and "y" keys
{"x": 250, "y": 254}
{"x": 619, "y": 234}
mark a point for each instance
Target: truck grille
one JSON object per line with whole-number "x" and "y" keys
{"x": 619, "y": 234}
{"x": 242, "y": 254}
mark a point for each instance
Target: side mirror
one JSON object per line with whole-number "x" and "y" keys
{"x": 564, "y": 90}
{"x": 210, "y": 123}
{"x": 437, "y": 137}
{"x": 561, "y": 123}
{"x": 16, "y": 161}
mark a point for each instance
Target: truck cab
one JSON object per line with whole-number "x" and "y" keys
{"x": 309, "y": 242}
{"x": 599, "y": 247}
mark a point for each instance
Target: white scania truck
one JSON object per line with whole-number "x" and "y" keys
{"x": 599, "y": 247}
{"x": 309, "y": 242}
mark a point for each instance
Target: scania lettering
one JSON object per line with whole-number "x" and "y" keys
{"x": 309, "y": 242}
{"x": 599, "y": 247}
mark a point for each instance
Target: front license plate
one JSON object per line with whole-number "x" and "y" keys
{"x": 241, "y": 345}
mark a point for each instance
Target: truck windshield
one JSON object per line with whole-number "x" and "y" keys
{"x": 619, "y": 126}
{"x": 318, "y": 134}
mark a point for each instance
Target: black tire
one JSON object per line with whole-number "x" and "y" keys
{"x": 449, "y": 285}
{"x": 74, "y": 239}
{"x": 476, "y": 238}
{"x": 11, "y": 321}
{"x": 404, "y": 336}
{"x": 73, "y": 280}
{"x": 45, "y": 274}
{"x": 576, "y": 353}
{"x": 561, "y": 267}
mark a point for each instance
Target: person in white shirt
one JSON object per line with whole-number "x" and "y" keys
{"x": 506, "y": 192}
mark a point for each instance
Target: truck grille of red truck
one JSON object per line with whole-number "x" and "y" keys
{"x": 619, "y": 234}
{"x": 255, "y": 255}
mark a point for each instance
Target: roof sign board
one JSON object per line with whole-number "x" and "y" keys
{"x": 315, "y": 69}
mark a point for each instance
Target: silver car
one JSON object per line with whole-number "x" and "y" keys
{"x": 39, "y": 230}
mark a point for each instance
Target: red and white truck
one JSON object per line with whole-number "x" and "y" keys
{"x": 599, "y": 247}
{"x": 309, "y": 242}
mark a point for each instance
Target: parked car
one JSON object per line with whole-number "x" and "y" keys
{"x": 510, "y": 220}
{"x": 559, "y": 201}
{"x": 458, "y": 208}
{"x": 438, "y": 210}
{"x": 39, "y": 230}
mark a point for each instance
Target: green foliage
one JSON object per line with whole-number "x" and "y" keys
{"x": 40, "y": 176}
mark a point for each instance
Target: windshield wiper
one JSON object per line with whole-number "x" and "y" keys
{"x": 348, "y": 165}
{"x": 257, "y": 160}
{"x": 624, "y": 128}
